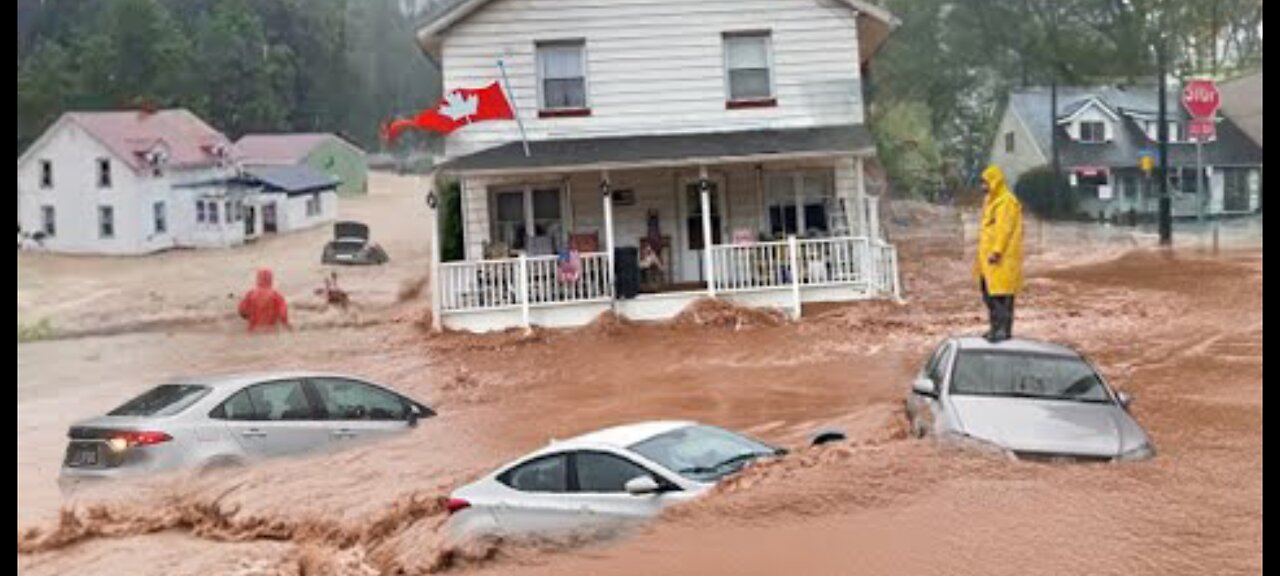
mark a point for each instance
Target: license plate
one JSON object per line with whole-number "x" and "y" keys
{"x": 85, "y": 456}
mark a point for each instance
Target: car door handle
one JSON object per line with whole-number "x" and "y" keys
{"x": 345, "y": 434}
{"x": 255, "y": 433}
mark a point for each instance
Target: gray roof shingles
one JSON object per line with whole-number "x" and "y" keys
{"x": 1232, "y": 148}
{"x": 291, "y": 180}
{"x": 655, "y": 150}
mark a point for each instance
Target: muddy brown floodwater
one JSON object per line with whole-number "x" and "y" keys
{"x": 1182, "y": 332}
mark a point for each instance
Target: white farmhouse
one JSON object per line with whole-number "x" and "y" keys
{"x": 677, "y": 150}
{"x": 139, "y": 182}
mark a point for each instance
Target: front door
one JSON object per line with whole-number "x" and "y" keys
{"x": 270, "y": 219}
{"x": 250, "y": 221}
{"x": 692, "y": 250}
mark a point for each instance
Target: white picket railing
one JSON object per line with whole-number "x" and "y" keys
{"x": 549, "y": 285}
{"x": 866, "y": 264}
{"x": 819, "y": 262}
{"x": 521, "y": 282}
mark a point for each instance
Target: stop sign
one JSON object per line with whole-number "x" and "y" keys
{"x": 1201, "y": 98}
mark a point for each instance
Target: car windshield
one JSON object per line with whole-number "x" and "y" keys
{"x": 703, "y": 453}
{"x": 1034, "y": 376}
{"x": 166, "y": 400}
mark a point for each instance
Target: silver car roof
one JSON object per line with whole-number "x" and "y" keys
{"x": 1016, "y": 345}
{"x": 237, "y": 381}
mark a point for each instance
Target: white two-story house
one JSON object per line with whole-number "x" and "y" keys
{"x": 129, "y": 183}
{"x": 676, "y": 150}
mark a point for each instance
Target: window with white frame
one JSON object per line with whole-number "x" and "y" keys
{"x": 314, "y": 206}
{"x": 799, "y": 204}
{"x": 562, "y": 76}
{"x": 49, "y": 221}
{"x": 749, "y": 66}
{"x": 213, "y": 213}
{"x": 202, "y": 212}
{"x": 106, "y": 222}
{"x": 1094, "y": 132}
{"x": 1010, "y": 143}
{"x": 104, "y": 173}
{"x": 529, "y": 219}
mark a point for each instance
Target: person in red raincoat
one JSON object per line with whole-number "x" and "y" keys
{"x": 264, "y": 308}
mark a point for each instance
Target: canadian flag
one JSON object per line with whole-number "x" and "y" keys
{"x": 458, "y": 109}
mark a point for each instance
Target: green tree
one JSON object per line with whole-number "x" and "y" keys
{"x": 907, "y": 149}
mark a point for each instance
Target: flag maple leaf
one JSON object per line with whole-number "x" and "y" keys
{"x": 457, "y": 106}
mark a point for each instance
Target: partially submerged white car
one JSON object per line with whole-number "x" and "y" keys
{"x": 602, "y": 483}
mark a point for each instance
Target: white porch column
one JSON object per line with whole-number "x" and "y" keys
{"x": 873, "y": 215}
{"x": 437, "y": 285}
{"x": 606, "y": 194}
{"x": 793, "y": 251}
{"x": 861, "y": 201}
{"x": 708, "y": 263}
{"x": 525, "y": 317}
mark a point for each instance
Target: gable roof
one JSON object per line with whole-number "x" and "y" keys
{"x": 1242, "y": 103}
{"x": 1033, "y": 107}
{"x": 445, "y": 14}
{"x": 274, "y": 149}
{"x": 130, "y": 135}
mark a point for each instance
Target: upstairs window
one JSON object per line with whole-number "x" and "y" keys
{"x": 1010, "y": 143}
{"x": 104, "y": 173}
{"x": 46, "y": 174}
{"x": 1093, "y": 132}
{"x": 562, "y": 78}
{"x": 749, "y": 68}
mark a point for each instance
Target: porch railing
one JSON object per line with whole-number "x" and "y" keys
{"x": 865, "y": 262}
{"x": 523, "y": 282}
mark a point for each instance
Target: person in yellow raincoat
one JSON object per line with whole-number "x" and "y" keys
{"x": 999, "y": 264}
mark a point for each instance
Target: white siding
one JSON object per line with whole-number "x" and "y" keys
{"x": 657, "y": 66}
{"x": 76, "y": 197}
{"x": 1092, "y": 114}
{"x": 294, "y": 217}
{"x": 1026, "y": 155}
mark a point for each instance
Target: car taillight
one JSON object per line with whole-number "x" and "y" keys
{"x": 456, "y": 505}
{"x": 137, "y": 439}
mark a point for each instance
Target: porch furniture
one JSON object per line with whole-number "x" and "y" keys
{"x": 655, "y": 278}
{"x": 585, "y": 243}
{"x": 627, "y": 273}
{"x": 496, "y": 251}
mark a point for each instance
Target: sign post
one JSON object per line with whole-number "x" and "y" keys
{"x": 1202, "y": 100}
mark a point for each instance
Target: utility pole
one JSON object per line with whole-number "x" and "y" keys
{"x": 1057, "y": 190}
{"x": 1166, "y": 202}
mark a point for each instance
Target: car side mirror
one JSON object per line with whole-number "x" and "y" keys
{"x": 925, "y": 387}
{"x": 1125, "y": 399}
{"x": 643, "y": 486}
{"x": 414, "y": 418}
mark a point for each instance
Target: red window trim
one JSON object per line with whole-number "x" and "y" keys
{"x": 748, "y": 104}
{"x": 565, "y": 113}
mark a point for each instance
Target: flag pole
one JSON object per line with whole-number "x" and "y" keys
{"x": 506, "y": 84}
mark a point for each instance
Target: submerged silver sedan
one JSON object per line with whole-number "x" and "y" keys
{"x": 232, "y": 421}
{"x": 1033, "y": 400}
